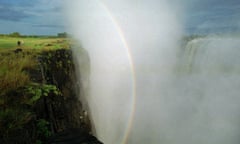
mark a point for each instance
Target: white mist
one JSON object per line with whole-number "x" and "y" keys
{"x": 183, "y": 95}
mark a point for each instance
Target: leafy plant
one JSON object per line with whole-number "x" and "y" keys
{"x": 38, "y": 142}
{"x": 12, "y": 119}
{"x": 38, "y": 90}
{"x": 43, "y": 128}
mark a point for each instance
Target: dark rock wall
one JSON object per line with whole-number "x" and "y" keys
{"x": 69, "y": 120}
{"x": 63, "y": 111}
{"x": 55, "y": 117}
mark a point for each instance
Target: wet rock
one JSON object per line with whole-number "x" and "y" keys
{"x": 43, "y": 112}
{"x": 73, "y": 136}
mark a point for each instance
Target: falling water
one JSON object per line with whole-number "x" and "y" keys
{"x": 200, "y": 103}
{"x": 144, "y": 87}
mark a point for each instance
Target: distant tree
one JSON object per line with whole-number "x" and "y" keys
{"x": 15, "y": 34}
{"x": 2, "y": 35}
{"x": 62, "y": 35}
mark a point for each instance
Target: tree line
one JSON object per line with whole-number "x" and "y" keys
{"x": 17, "y": 34}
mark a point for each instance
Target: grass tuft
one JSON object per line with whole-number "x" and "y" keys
{"x": 12, "y": 74}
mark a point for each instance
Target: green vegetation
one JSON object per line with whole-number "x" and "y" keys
{"x": 19, "y": 93}
{"x": 36, "y": 91}
{"x": 43, "y": 43}
{"x": 13, "y": 65}
{"x": 62, "y": 35}
{"x": 12, "y": 74}
{"x": 11, "y": 119}
{"x": 15, "y": 34}
{"x": 191, "y": 37}
{"x": 43, "y": 130}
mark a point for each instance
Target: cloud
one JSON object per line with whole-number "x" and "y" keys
{"x": 14, "y": 10}
{"x": 57, "y": 9}
{"x": 52, "y": 6}
{"x": 31, "y": 16}
{"x": 215, "y": 17}
{"x": 48, "y": 25}
{"x": 12, "y": 3}
{"x": 12, "y": 14}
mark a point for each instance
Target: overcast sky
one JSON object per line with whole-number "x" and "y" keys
{"x": 212, "y": 16}
{"x": 46, "y": 17}
{"x": 42, "y": 17}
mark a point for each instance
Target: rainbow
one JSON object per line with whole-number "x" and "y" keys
{"x": 128, "y": 51}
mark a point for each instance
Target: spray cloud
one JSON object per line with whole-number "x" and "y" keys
{"x": 138, "y": 93}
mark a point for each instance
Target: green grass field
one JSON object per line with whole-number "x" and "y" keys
{"x": 18, "y": 91}
{"x": 9, "y": 43}
{"x": 12, "y": 64}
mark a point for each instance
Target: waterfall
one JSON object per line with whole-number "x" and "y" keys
{"x": 213, "y": 54}
{"x": 145, "y": 88}
{"x": 201, "y": 102}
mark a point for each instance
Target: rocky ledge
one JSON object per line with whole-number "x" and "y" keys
{"x": 48, "y": 109}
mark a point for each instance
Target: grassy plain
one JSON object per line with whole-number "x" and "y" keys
{"x": 17, "y": 90}
{"x": 41, "y": 43}
{"x": 13, "y": 64}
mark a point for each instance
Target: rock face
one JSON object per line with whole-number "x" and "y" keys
{"x": 50, "y": 108}
{"x": 68, "y": 121}
{"x": 63, "y": 111}
{"x": 73, "y": 136}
